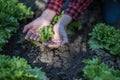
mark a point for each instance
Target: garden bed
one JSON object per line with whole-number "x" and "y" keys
{"x": 64, "y": 63}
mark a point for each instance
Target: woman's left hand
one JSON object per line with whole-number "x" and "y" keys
{"x": 60, "y": 37}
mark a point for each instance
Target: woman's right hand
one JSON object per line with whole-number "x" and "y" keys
{"x": 32, "y": 28}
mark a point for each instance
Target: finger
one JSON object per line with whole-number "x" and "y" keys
{"x": 33, "y": 36}
{"x": 44, "y": 44}
{"x": 37, "y": 37}
{"x": 27, "y": 28}
{"x": 65, "y": 41}
{"x": 52, "y": 44}
{"x": 30, "y": 32}
{"x": 64, "y": 38}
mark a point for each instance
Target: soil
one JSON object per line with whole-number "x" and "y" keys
{"x": 64, "y": 63}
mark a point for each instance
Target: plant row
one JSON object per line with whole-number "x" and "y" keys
{"x": 96, "y": 70}
{"x": 11, "y": 12}
{"x": 17, "y": 68}
{"x": 107, "y": 38}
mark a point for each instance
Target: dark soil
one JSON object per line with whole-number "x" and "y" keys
{"x": 64, "y": 63}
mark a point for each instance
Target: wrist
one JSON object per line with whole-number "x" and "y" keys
{"x": 65, "y": 20}
{"x": 48, "y": 15}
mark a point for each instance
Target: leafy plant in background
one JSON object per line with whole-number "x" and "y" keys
{"x": 10, "y": 13}
{"x": 105, "y": 37}
{"x": 17, "y": 68}
{"x": 15, "y": 9}
{"x": 46, "y": 33}
{"x": 94, "y": 70}
{"x": 7, "y": 26}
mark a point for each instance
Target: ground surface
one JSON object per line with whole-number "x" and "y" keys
{"x": 64, "y": 63}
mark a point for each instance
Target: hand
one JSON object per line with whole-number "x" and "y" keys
{"x": 33, "y": 27}
{"x": 60, "y": 37}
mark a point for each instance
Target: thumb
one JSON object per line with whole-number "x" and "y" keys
{"x": 27, "y": 28}
{"x": 64, "y": 38}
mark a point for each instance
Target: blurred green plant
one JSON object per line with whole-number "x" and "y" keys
{"x": 17, "y": 68}
{"x": 11, "y": 12}
{"x": 95, "y": 70}
{"x": 105, "y": 37}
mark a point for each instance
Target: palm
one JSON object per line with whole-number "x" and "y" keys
{"x": 59, "y": 38}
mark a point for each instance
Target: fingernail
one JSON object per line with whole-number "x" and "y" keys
{"x": 26, "y": 38}
{"x": 62, "y": 45}
{"x": 45, "y": 44}
{"x": 31, "y": 38}
{"x": 38, "y": 39}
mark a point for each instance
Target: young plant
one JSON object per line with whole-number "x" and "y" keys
{"x": 105, "y": 37}
{"x": 95, "y": 70}
{"x": 17, "y": 68}
{"x": 46, "y": 33}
